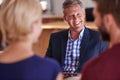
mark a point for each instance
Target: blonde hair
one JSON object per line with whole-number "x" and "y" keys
{"x": 16, "y": 18}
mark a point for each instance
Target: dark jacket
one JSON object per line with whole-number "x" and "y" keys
{"x": 91, "y": 46}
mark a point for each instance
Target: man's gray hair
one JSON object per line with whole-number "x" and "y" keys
{"x": 68, "y": 3}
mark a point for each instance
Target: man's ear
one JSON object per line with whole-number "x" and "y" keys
{"x": 64, "y": 19}
{"x": 108, "y": 21}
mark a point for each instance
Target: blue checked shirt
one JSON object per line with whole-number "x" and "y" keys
{"x": 72, "y": 53}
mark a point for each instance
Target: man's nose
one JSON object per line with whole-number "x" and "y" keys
{"x": 76, "y": 18}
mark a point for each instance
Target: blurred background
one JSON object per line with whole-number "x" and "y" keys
{"x": 53, "y": 21}
{"x": 54, "y": 8}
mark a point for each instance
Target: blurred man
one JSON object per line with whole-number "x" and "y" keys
{"x": 76, "y": 45}
{"x": 106, "y": 66}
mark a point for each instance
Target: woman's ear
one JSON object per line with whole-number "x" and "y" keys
{"x": 32, "y": 27}
{"x": 35, "y": 24}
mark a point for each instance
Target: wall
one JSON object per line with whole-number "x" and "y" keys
{"x": 57, "y": 6}
{"x": 88, "y": 3}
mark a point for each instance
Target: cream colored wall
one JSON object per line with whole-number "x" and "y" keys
{"x": 57, "y": 6}
{"x": 1, "y": 1}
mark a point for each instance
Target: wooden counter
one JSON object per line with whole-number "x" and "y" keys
{"x": 63, "y": 25}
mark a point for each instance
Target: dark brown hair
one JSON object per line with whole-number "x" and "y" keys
{"x": 109, "y": 7}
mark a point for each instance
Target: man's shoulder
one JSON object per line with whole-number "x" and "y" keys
{"x": 46, "y": 61}
{"x": 95, "y": 62}
{"x": 60, "y": 33}
{"x": 93, "y": 32}
{"x": 92, "y": 66}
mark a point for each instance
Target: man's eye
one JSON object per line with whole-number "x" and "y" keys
{"x": 70, "y": 17}
{"x": 79, "y": 15}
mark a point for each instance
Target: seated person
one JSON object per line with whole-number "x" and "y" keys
{"x": 20, "y": 22}
{"x": 106, "y": 66}
{"x": 76, "y": 45}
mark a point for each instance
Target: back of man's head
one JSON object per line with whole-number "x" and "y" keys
{"x": 109, "y": 7}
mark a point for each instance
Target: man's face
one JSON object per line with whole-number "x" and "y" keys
{"x": 75, "y": 17}
{"x": 99, "y": 21}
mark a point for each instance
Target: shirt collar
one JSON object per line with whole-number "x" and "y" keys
{"x": 80, "y": 35}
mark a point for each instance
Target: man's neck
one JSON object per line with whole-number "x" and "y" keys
{"x": 115, "y": 38}
{"x": 74, "y": 35}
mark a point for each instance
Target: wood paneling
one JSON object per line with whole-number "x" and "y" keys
{"x": 41, "y": 46}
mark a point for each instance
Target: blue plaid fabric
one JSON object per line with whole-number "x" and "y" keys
{"x": 72, "y": 53}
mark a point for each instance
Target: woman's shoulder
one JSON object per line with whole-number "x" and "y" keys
{"x": 46, "y": 61}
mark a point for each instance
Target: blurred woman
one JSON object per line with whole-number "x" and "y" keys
{"x": 20, "y": 22}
